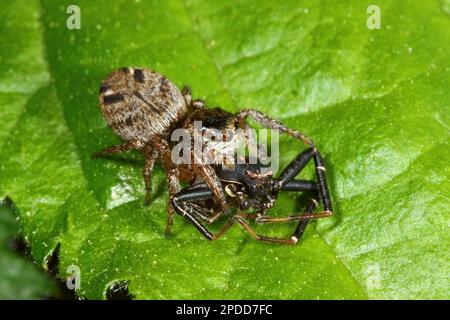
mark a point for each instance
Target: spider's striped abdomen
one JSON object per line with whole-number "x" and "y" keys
{"x": 139, "y": 103}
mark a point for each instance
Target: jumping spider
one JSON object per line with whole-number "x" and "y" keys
{"x": 144, "y": 108}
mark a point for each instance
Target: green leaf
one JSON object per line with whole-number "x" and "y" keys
{"x": 376, "y": 102}
{"x": 19, "y": 278}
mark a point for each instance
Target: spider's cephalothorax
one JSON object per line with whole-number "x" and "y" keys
{"x": 144, "y": 108}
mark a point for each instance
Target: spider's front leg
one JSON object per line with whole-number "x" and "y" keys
{"x": 209, "y": 176}
{"x": 270, "y": 123}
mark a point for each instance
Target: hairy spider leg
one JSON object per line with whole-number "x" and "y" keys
{"x": 209, "y": 176}
{"x": 174, "y": 188}
{"x": 147, "y": 150}
{"x": 118, "y": 148}
{"x": 150, "y": 158}
{"x": 164, "y": 151}
{"x": 271, "y": 123}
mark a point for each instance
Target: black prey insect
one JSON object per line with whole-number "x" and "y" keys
{"x": 247, "y": 186}
{"x": 144, "y": 108}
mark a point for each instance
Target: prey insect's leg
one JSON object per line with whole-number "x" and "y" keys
{"x": 294, "y": 168}
{"x": 300, "y": 217}
{"x": 214, "y": 218}
{"x": 197, "y": 193}
{"x": 268, "y": 122}
{"x": 256, "y": 236}
{"x": 150, "y": 159}
{"x": 252, "y": 216}
{"x": 127, "y": 146}
{"x": 296, "y": 217}
{"x": 293, "y": 185}
{"x": 287, "y": 182}
{"x": 324, "y": 193}
{"x": 192, "y": 194}
{"x": 300, "y": 185}
{"x": 301, "y": 227}
{"x": 230, "y": 222}
{"x": 293, "y": 239}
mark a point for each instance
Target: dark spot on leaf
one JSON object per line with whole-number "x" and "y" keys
{"x": 53, "y": 261}
{"x": 19, "y": 245}
{"x": 53, "y": 269}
